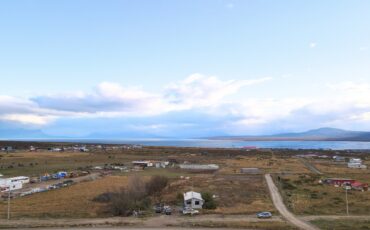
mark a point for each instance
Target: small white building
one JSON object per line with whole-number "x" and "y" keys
{"x": 355, "y": 160}
{"x": 356, "y": 166}
{"x": 193, "y": 200}
{"x": 22, "y": 179}
{"x": 6, "y": 184}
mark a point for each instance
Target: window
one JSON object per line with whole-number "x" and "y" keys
{"x": 188, "y": 202}
{"x": 196, "y": 202}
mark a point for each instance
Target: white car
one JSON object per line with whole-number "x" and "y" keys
{"x": 189, "y": 211}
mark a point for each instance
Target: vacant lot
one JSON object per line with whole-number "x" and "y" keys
{"x": 342, "y": 224}
{"x": 74, "y": 201}
{"x": 268, "y": 164}
{"x": 331, "y": 167}
{"x": 305, "y": 196}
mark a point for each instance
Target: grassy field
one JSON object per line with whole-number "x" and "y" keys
{"x": 268, "y": 164}
{"x": 271, "y": 225}
{"x": 342, "y": 224}
{"x": 235, "y": 193}
{"x": 328, "y": 166}
{"x": 305, "y": 196}
{"x": 74, "y": 201}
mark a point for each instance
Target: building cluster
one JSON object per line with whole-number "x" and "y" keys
{"x": 17, "y": 185}
{"x": 6, "y": 148}
{"x": 356, "y": 163}
{"x": 348, "y": 183}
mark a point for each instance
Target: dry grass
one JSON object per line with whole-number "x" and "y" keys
{"x": 268, "y": 164}
{"x": 306, "y": 196}
{"x": 235, "y": 194}
{"x": 268, "y": 225}
{"x": 330, "y": 167}
{"x": 74, "y": 201}
{"x": 342, "y": 224}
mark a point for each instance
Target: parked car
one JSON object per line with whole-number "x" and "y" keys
{"x": 67, "y": 182}
{"x": 158, "y": 208}
{"x": 263, "y": 215}
{"x": 189, "y": 211}
{"x": 167, "y": 210}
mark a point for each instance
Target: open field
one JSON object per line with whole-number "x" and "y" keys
{"x": 342, "y": 224}
{"x": 305, "y": 196}
{"x": 235, "y": 193}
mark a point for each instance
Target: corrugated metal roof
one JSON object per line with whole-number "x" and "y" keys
{"x": 192, "y": 195}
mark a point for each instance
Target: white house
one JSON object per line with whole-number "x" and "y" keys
{"x": 356, "y": 165}
{"x": 193, "y": 200}
{"x": 22, "y": 179}
{"x": 6, "y": 184}
{"x": 355, "y": 160}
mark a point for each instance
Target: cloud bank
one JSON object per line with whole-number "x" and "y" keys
{"x": 197, "y": 106}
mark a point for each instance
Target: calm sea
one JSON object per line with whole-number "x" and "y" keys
{"x": 335, "y": 145}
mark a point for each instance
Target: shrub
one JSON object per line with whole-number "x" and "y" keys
{"x": 209, "y": 202}
{"x": 135, "y": 196}
{"x": 156, "y": 184}
{"x": 105, "y": 197}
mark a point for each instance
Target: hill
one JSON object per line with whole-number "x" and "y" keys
{"x": 321, "y": 134}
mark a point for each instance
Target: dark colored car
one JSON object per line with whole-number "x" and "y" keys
{"x": 167, "y": 210}
{"x": 158, "y": 208}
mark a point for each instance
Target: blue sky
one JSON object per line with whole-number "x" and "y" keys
{"x": 184, "y": 68}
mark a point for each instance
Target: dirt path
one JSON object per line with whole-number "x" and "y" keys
{"x": 280, "y": 206}
{"x": 310, "y": 166}
{"x": 331, "y": 217}
{"x": 160, "y": 221}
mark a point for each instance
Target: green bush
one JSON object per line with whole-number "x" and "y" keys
{"x": 209, "y": 202}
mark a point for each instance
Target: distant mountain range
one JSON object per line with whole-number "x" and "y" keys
{"x": 322, "y": 134}
{"x": 21, "y": 133}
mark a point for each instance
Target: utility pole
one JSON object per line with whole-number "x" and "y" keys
{"x": 9, "y": 203}
{"x": 346, "y": 187}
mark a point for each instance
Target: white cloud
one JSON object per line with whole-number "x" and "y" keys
{"x": 201, "y": 91}
{"x": 195, "y": 100}
{"x": 28, "y": 119}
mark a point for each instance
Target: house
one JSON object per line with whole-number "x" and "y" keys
{"x": 250, "y": 170}
{"x": 356, "y": 165}
{"x": 355, "y": 160}
{"x": 193, "y": 200}
{"x": 339, "y": 158}
{"x": 8, "y": 185}
{"x": 143, "y": 164}
{"x": 359, "y": 186}
{"x": 209, "y": 167}
{"x": 7, "y": 148}
{"x": 338, "y": 181}
{"x": 32, "y": 149}
{"x": 12, "y": 183}
{"x": 22, "y": 179}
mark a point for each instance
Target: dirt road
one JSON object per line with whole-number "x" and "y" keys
{"x": 131, "y": 228}
{"x": 310, "y": 166}
{"x": 160, "y": 221}
{"x": 280, "y": 206}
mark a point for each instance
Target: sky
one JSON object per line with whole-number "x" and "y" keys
{"x": 183, "y": 68}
